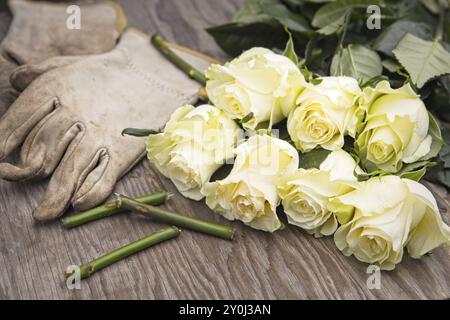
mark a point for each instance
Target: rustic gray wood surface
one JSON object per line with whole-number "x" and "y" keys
{"x": 256, "y": 265}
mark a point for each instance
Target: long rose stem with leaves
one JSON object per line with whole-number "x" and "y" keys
{"x": 192, "y": 72}
{"x": 109, "y": 209}
{"x": 162, "y": 215}
{"x": 97, "y": 264}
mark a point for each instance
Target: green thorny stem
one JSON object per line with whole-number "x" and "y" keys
{"x": 97, "y": 264}
{"x": 109, "y": 209}
{"x": 347, "y": 18}
{"x": 162, "y": 215}
{"x": 343, "y": 33}
{"x": 161, "y": 45}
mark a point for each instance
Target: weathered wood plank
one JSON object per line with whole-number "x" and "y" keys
{"x": 287, "y": 265}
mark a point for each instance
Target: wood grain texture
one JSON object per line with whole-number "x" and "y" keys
{"x": 289, "y": 264}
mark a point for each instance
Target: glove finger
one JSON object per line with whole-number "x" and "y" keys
{"x": 79, "y": 160}
{"x": 43, "y": 148}
{"x": 22, "y": 76}
{"x": 7, "y": 98}
{"x": 29, "y": 108}
{"x": 99, "y": 184}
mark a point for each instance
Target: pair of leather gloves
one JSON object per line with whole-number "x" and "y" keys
{"x": 74, "y": 100}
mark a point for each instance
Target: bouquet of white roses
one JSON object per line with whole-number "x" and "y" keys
{"x": 370, "y": 145}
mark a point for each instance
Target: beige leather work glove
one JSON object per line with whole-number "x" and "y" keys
{"x": 70, "y": 119}
{"x": 39, "y": 31}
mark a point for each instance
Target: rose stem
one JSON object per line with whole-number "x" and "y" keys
{"x": 97, "y": 264}
{"x": 161, "y": 45}
{"x": 109, "y": 209}
{"x": 162, "y": 215}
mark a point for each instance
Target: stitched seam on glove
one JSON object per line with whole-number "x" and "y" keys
{"x": 152, "y": 81}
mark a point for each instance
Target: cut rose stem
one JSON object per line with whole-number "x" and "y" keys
{"x": 97, "y": 264}
{"x": 162, "y": 46}
{"x": 109, "y": 209}
{"x": 162, "y": 215}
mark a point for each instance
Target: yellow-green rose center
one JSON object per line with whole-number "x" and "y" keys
{"x": 317, "y": 126}
{"x": 245, "y": 208}
{"x": 372, "y": 249}
{"x": 380, "y": 151}
{"x": 234, "y": 107}
{"x": 303, "y": 206}
{"x": 318, "y": 130}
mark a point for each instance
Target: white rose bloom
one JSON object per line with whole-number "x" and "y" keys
{"x": 390, "y": 213}
{"x": 306, "y": 193}
{"x": 325, "y": 113}
{"x": 259, "y": 82}
{"x": 396, "y": 128}
{"x": 194, "y": 144}
{"x": 249, "y": 193}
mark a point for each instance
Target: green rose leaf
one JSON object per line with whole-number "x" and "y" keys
{"x": 391, "y": 36}
{"x": 261, "y": 10}
{"x": 289, "y": 51}
{"x": 313, "y": 158}
{"x": 431, "y": 5}
{"x": 332, "y": 13}
{"x": 415, "y": 171}
{"x": 364, "y": 176}
{"x": 292, "y": 20}
{"x": 318, "y": 54}
{"x": 415, "y": 175}
{"x": 441, "y": 172}
{"x": 413, "y": 10}
{"x": 251, "y": 11}
{"x": 438, "y": 100}
{"x": 391, "y": 65}
{"x": 436, "y": 135}
{"x": 422, "y": 59}
{"x": 356, "y": 61}
{"x": 253, "y": 22}
{"x": 234, "y": 38}
{"x": 333, "y": 26}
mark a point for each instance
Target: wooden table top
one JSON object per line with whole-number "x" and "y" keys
{"x": 289, "y": 264}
